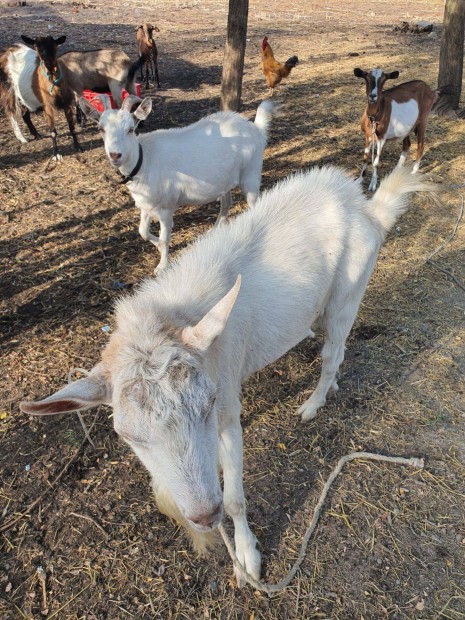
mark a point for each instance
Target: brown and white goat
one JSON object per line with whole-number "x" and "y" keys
{"x": 147, "y": 49}
{"x": 394, "y": 113}
{"x": 31, "y": 80}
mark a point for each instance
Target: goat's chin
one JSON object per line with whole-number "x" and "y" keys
{"x": 204, "y": 529}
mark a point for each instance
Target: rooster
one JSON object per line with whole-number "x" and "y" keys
{"x": 273, "y": 70}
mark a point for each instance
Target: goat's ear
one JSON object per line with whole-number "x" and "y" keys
{"x": 28, "y": 40}
{"x": 360, "y": 73}
{"x": 82, "y": 394}
{"x": 143, "y": 110}
{"x": 60, "y": 40}
{"x": 90, "y": 112}
{"x": 392, "y": 76}
{"x": 202, "y": 335}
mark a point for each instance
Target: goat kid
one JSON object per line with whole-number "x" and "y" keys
{"x": 185, "y": 342}
{"x": 394, "y": 113}
{"x": 193, "y": 165}
{"x": 31, "y": 80}
{"x": 148, "y": 52}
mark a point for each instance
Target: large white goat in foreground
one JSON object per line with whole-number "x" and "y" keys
{"x": 193, "y": 165}
{"x": 233, "y": 302}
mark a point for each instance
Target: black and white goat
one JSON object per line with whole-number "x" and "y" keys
{"x": 394, "y": 113}
{"x": 31, "y": 79}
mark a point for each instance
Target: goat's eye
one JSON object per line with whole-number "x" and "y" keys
{"x": 131, "y": 130}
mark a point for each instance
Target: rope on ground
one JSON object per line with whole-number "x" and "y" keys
{"x": 271, "y": 588}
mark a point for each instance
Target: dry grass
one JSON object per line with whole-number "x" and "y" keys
{"x": 391, "y": 541}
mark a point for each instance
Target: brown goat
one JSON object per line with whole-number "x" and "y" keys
{"x": 147, "y": 50}
{"x": 31, "y": 80}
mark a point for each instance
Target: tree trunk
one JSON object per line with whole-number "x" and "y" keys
{"x": 233, "y": 63}
{"x": 451, "y": 56}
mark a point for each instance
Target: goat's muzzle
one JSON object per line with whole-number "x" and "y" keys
{"x": 115, "y": 159}
{"x": 208, "y": 521}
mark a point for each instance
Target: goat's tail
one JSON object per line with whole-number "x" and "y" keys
{"x": 392, "y": 197}
{"x": 264, "y": 115}
{"x": 132, "y": 73}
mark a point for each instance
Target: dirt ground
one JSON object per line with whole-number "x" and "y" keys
{"x": 80, "y": 535}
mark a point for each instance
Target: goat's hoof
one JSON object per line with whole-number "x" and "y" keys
{"x": 308, "y": 410}
{"x": 57, "y": 157}
{"x": 37, "y": 136}
{"x": 251, "y": 561}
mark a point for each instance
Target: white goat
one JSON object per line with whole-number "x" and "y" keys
{"x": 186, "y": 341}
{"x": 194, "y": 165}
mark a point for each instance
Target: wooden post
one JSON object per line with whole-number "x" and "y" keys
{"x": 234, "y": 52}
{"x": 451, "y": 55}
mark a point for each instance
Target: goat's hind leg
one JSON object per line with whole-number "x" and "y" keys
{"x": 337, "y": 322}
{"x": 405, "y": 148}
{"x": 30, "y": 125}
{"x": 166, "y": 226}
{"x": 225, "y": 205}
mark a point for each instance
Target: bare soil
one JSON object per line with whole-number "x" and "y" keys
{"x": 80, "y": 534}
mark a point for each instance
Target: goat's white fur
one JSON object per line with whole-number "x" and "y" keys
{"x": 192, "y": 165}
{"x": 305, "y": 251}
{"x": 22, "y": 64}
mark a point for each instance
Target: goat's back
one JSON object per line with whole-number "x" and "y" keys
{"x": 93, "y": 69}
{"x": 305, "y": 238}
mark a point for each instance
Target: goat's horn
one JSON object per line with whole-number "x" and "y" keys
{"x": 129, "y": 102}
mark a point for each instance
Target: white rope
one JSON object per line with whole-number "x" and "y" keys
{"x": 81, "y": 419}
{"x": 270, "y": 588}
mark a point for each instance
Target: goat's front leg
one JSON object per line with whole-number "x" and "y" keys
{"x": 144, "y": 228}
{"x": 379, "y": 149}
{"x": 166, "y": 226}
{"x": 231, "y": 456}
{"x": 366, "y": 152}
{"x": 50, "y": 119}
{"x": 72, "y": 129}
{"x": 225, "y": 205}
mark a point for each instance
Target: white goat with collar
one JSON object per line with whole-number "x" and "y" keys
{"x": 192, "y": 165}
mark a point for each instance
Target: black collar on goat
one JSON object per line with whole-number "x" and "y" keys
{"x": 135, "y": 170}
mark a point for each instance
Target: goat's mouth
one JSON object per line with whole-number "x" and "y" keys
{"x": 207, "y": 523}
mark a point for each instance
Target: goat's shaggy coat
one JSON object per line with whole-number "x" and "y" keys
{"x": 185, "y": 342}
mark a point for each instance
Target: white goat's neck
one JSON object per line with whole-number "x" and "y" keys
{"x": 132, "y": 158}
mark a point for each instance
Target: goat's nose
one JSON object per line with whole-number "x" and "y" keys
{"x": 207, "y": 519}
{"x": 115, "y": 156}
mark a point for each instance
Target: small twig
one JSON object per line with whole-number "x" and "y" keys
{"x": 43, "y": 585}
{"x": 76, "y": 514}
{"x": 459, "y": 283}
{"x": 270, "y": 588}
{"x": 456, "y": 225}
